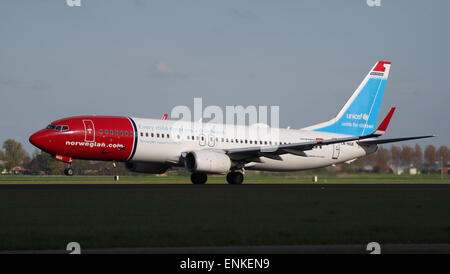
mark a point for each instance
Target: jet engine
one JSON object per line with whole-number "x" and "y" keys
{"x": 153, "y": 168}
{"x": 207, "y": 161}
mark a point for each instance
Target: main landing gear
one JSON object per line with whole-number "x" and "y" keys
{"x": 68, "y": 171}
{"x": 233, "y": 178}
{"x": 199, "y": 178}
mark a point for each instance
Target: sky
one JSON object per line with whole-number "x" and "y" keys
{"x": 142, "y": 58}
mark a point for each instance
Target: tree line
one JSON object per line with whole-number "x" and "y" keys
{"x": 427, "y": 160}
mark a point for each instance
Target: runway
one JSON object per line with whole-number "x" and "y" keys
{"x": 219, "y": 186}
{"x": 221, "y": 218}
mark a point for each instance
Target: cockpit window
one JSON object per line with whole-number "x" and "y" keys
{"x": 58, "y": 127}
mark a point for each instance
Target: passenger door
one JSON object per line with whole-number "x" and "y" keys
{"x": 336, "y": 151}
{"x": 89, "y": 131}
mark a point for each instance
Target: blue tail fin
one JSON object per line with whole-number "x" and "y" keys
{"x": 359, "y": 115}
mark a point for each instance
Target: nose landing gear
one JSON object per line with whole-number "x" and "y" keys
{"x": 68, "y": 171}
{"x": 116, "y": 177}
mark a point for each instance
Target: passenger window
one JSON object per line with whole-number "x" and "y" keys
{"x": 162, "y": 135}
{"x": 126, "y": 133}
{"x": 142, "y": 134}
{"x": 178, "y": 137}
{"x": 131, "y": 133}
{"x": 152, "y": 134}
{"x": 111, "y": 132}
{"x": 121, "y": 133}
{"x": 146, "y": 134}
{"x": 168, "y": 136}
{"x": 157, "y": 135}
{"x": 101, "y": 131}
{"x": 117, "y": 132}
{"x": 222, "y": 140}
{"x": 106, "y": 132}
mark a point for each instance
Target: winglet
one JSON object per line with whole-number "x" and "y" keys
{"x": 383, "y": 126}
{"x": 164, "y": 117}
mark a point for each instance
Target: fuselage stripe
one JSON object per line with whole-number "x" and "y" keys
{"x": 135, "y": 139}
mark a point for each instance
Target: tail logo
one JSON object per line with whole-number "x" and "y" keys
{"x": 361, "y": 110}
{"x": 360, "y": 116}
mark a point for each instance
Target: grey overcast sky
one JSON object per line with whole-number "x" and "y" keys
{"x": 141, "y": 58}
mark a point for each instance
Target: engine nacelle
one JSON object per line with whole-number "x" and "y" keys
{"x": 153, "y": 168}
{"x": 207, "y": 161}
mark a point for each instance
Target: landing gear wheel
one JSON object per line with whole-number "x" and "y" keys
{"x": 68, "y": 171}
{"x": 235, "y": 178}
{"x": 199, "y": 178}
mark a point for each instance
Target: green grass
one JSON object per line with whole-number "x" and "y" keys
{"x": 200, "y": 216}
{"x": 220, "y": 179}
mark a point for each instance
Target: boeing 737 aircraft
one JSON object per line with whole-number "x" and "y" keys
{"x": 154, "y": 145}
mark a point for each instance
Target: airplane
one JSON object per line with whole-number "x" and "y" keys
{"x": 153, "y": 146}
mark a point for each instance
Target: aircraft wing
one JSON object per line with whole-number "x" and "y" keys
{"x": 298, "y": 149}
{"x": 273, "y": 152}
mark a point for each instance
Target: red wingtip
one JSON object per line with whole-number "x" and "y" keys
{"x": 165, "y": 116}
{"x": 383, "y": 126}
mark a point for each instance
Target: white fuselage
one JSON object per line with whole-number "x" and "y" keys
{"x": 165, "y": 141}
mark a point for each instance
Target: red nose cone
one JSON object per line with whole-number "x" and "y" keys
{"x": 39, "y": 139}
